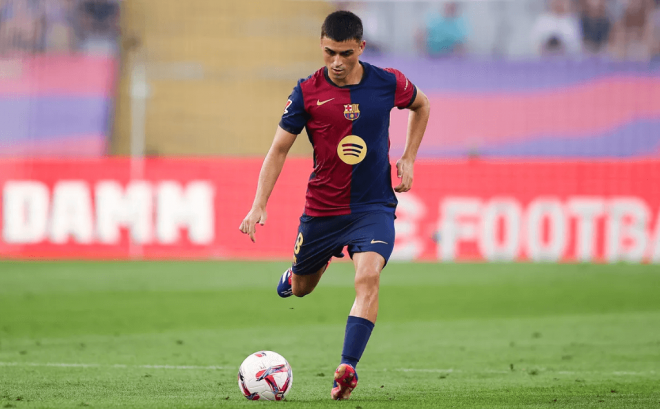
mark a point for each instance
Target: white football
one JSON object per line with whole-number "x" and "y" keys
{"x": 265, "y": 375}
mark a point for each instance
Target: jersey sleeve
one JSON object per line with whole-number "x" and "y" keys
{"x": 295, "y": 117}
{"x": 406, "y": 91}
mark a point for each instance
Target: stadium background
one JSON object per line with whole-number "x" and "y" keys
{"x": 131, "y": 137}
{"x": 138, "y": 134}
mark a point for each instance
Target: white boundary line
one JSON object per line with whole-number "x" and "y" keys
{"x": 65, "y": 365}
{"x": 219, "y": 368}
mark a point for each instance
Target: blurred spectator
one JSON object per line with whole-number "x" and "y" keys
{"x": 59, "y": 34}
{"x": 596, "y": 25}
{"x": 99, "y": 26}
{"x": 655, "y": 29}
{"x": 22, "y": 26}
{"x": 632, "y": 36}
{"x": 444, "y": 33}
{"x": 557, "y": 31}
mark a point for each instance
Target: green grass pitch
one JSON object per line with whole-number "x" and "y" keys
{"x": 172, "y": 334}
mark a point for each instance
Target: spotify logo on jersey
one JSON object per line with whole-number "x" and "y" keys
{"x": 352, "y": 149}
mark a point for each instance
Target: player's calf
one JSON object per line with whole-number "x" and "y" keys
{"x": 303, "y": 284}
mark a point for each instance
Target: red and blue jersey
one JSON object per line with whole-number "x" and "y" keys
{"x": 349, "y": 129}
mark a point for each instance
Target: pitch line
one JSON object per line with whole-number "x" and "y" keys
{"x": 208, "y": 367}
{"x": 67, "y": 365}
{"x": 217, "y": 368}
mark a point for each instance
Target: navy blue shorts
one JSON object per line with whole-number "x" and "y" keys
{"x": 321, "y": 238}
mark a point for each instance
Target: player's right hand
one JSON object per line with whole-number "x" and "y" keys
{"x": 249, "y": 224}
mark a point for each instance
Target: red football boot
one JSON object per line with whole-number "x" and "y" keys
{"x": 346, "y": 380}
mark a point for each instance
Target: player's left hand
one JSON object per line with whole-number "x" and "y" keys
{"x": 404, "y": 170}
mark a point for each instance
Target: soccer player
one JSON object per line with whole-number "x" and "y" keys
{"x": 345, "y": 107}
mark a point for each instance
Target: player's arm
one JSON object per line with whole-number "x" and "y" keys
{"x": 420, "y": 110}
{"x": 270, "y": 171}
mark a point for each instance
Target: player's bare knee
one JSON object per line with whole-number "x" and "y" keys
{"x": 367, "y": 279}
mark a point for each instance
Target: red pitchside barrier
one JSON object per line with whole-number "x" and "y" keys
{"x": 191, "y": 208}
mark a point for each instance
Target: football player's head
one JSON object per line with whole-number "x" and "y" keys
{"x": 342, "y": 43}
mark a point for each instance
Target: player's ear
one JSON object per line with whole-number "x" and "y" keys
{"x": 363, "y": 44}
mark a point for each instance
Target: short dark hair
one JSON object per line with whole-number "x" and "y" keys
{"x": 342, "y": 26}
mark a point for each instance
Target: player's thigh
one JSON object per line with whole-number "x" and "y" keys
{"x": 372, "y": 233}
{"x": 318, "y": 240}
{"x": 368, "y": 266}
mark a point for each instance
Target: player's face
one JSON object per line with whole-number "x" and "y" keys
{"x": 341, "y": 58}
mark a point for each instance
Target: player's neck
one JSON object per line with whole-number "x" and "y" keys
{"x": 353, "y": 78}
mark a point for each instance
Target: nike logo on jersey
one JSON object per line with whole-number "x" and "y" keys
{"x": 378, "y": 241}
{"x": 319, "y": 103}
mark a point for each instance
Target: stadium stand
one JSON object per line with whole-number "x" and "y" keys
{"x": 212, "y": 92}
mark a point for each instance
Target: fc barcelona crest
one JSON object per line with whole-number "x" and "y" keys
{"x": 352, "y": 111}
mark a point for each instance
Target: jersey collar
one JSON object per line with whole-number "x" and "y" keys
{"x": 364, "y": 77}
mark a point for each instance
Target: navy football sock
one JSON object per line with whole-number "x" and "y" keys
{"x": 284, "y": 285}
{"x": 358, "y": 331}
